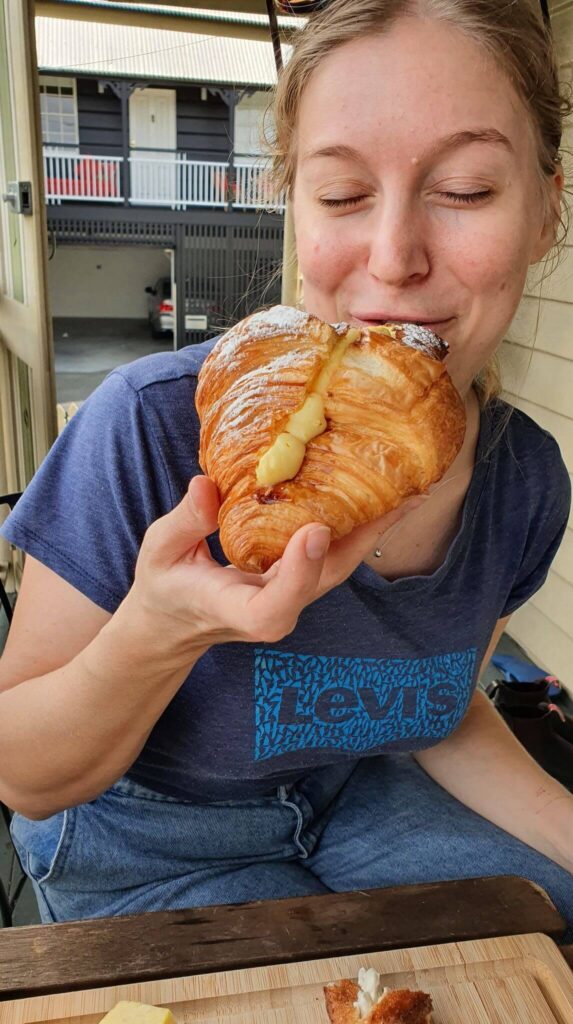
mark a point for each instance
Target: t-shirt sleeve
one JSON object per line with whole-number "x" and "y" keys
{"x": 87, "y": 508}
{"x": 546, "y": 532}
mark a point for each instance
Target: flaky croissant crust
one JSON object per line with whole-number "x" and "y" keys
{"x": 395, "y": 422}
{"x": 401, "y": 1006}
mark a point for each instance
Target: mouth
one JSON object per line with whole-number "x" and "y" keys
{"x": 374, "y": 320}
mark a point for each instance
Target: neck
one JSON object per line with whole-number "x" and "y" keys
{"x": 466, "y": 455}
{"x": 419, "y": 542}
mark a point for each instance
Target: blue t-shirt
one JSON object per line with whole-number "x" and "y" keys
{"x": 373, "y": 666}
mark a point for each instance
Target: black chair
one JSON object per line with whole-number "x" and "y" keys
{"x": 9, "y": 895}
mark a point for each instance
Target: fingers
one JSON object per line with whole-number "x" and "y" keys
{"x": 180, "y": 532}
{"x": 274, "y": 610}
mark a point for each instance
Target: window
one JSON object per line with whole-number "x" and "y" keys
{"x": 249, "y": 115}
{"x": 59, "y": 113}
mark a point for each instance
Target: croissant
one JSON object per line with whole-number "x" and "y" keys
{"x": 367, "y": 1002}
{"x": 303, "y": 421}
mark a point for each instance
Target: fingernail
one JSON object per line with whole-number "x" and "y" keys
{"x": 317, "y": 543}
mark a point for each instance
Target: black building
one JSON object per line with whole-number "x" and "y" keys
{"x": 150, "y": 149}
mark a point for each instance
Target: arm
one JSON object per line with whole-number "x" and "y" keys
{"x": 80, "y": 689}
{"x": 484, "y": 766}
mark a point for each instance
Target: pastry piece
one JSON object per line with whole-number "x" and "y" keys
{"x": 368, "y": 1002}
{"x": 303, "y": 421}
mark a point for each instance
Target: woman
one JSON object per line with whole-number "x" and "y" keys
{"x": 177, "y": 733}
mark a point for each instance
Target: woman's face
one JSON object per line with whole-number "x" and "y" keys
{"x": 417, "y": 194}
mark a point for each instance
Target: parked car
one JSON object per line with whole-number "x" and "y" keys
{"x": 199, "y": 315}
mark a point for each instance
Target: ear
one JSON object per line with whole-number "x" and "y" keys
{"x": 552, "y": 216}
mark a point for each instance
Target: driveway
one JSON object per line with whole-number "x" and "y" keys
{"x": 87, "y": 350}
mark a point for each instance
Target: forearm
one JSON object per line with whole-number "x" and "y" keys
{"x": 68, "y": 735}
{"x": 485, "y": 767}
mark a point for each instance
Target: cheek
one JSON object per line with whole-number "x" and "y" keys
{"x": 323, "y": 262}
{"x": 326, "y": 254}
{"x": 492, "y": 264}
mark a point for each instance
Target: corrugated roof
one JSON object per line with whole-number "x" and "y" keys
{"x": 94, "y": 48}
{"x": 193, "y": 13}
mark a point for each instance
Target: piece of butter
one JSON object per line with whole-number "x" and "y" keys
{"x": 284, "y": 458}
{"x": 126, "y": 1012}
{"x": 370, "y": 991}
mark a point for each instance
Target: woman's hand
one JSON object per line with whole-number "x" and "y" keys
{"x": 176, "y": 578}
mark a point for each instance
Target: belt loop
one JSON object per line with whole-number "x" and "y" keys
{"x": 284, "y": 792}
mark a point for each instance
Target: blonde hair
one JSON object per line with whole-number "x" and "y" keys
{"x": 512, "y": 31}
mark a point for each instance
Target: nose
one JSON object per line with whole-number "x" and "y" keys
{"x": 398, "y": 250}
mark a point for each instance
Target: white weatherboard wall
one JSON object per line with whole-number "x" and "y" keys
{"x": 104, "y": 282}
{"x": 539, "y": 353}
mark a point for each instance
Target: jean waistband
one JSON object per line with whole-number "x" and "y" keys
{"x": 319, "y": 788}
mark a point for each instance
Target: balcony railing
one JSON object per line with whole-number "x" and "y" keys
{"x": 169, "y": 180}
{"x": 82, "y": 178}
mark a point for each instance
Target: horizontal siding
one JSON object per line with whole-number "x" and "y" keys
{"x": 99, "y": 118}
{"x": 538, "y": 356}
{"x": 544, "y": 641}
{"x": 202, "y": 125}
{"x": 563, "y": 564}
{"x": 548, "y": 325}
{"x": 555, "y": 601}
{"x": 562, "y": 24}
{"x": 549, "y": 379}
{"x": 553, "y": 279}
{"x": 561, "y": 427}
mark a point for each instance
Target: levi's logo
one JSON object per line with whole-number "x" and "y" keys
{"x": 357, "y": 704}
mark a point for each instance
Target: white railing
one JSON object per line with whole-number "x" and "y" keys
{"x": 82, "y": 178}
{"x": 254, "y": 188}
{"x": 175, "y": 181}
{"x": 167, "y": 180}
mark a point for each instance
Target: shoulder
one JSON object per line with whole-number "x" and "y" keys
{"x": 524, "y": 443}
{"x": 149, "y": 397}
{"x": 528, "y": 463}
{"x": 165, "y": 368}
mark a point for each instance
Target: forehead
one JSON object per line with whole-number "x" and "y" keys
{"x": 418, "y": 81}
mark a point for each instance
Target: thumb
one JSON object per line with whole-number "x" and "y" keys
{"x": 179, "y": 532}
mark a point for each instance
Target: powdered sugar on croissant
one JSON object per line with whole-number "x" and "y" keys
{"x": 303, "y": 421}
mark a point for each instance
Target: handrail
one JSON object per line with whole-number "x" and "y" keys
{"x": 159, "y": 178}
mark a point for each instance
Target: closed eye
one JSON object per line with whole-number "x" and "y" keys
{"x": 467, "y": 197}
{"x": 349, "y": 201}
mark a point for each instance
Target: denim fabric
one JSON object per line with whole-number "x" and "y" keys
{"x": 378, "y": 822}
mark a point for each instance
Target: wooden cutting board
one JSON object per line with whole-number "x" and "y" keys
{"x": 490, "y": 981}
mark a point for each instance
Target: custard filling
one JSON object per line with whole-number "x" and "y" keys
{"x": 284, "y": 458}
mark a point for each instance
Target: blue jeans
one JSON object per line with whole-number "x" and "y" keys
{"x": 377, "y": 822}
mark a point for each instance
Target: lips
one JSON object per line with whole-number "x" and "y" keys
{"x": 397, "y": 318}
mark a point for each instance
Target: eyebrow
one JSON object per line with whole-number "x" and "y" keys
{"x": 457, "y": 139}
